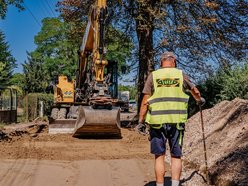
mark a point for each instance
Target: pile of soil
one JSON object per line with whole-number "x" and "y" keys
{"x": 226, "y": 132}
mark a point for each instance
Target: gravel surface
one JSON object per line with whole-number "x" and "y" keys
{"x": 226, "y": 131}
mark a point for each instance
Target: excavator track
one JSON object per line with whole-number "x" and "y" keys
{"x": 97, "y": 123}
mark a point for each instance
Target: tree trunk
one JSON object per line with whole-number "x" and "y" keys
{"x": 144, "y": 29}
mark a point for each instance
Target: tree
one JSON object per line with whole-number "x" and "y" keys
{"x": 35, "y": 80}
{"x": 225, "y": 84}
{"x": 234, "y": 82}
{"x": 17, "y": 80}
{"x": 204, "y": 34}
{"x": 5, "y": 3}
{"x": 58, "y": 53}
{"x": 7, "y": 62}
{"x": 119, "y": 47}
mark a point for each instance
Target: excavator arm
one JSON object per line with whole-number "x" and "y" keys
{"x": 93, "y": 44}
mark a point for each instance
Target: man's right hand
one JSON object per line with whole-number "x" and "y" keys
{"x": 141, "y": 128}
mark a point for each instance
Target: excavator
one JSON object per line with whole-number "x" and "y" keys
{"x": 87, "y": 106}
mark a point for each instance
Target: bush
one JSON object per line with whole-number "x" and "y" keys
{"x": 226, "y": 85}
{"x": 33, "y": 104}
{"x": 235, "y": 83}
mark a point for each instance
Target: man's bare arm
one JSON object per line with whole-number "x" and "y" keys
{"x": 143, "y": 108}
{"x": 188, "y": 85}
{"x": 195, "y": 93}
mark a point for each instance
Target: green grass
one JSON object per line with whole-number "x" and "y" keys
{"x": 1, "y": 125}
{"x": 21, "y": 119}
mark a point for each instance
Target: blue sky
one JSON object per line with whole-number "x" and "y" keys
{"x": 21, "y": 27}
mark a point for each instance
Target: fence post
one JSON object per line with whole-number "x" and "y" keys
{"x": 27, "y": 119}
{"x": 41, "y": 109}
{"x": 35, "y": 107}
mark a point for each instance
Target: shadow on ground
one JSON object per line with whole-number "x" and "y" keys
{"x": 167, "y": 182}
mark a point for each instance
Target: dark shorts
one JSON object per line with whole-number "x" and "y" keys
{"x": 171, "y": 132}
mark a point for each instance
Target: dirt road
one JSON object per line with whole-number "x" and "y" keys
{"x": 85, "y": 172}
{"x": 64, "y": 160}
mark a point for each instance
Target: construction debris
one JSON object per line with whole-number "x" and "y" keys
{"x": 18, "y": 130}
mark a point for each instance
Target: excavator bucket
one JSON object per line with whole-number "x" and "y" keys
{"x": 97, "y": 123}
{"x": 61, "y": 126}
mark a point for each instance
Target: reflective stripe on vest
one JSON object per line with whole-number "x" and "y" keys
{"x": 160, "y": 112}
{"x": 168, "y": 99}
{"x": 169, "y": 103}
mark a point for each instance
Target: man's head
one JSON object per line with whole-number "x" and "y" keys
{"x": 168, "y": 59}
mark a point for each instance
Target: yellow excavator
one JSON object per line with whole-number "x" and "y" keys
{"x": 86, "y": 106}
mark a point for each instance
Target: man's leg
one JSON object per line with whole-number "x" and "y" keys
{"x": 176, "y": 169}
{"x": 158, "y": 148}
{"x": 159, "y": 169}
{"x": 175, "y": 143}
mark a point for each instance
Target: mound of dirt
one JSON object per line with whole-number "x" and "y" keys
{"x": 30, "y": 143}
{"x": 14, "y": 131}
{"x": 226, "y": 132}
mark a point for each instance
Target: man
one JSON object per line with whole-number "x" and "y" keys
{"x": 164, "y": 108}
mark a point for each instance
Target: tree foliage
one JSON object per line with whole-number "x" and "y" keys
{"x": 119, "y": 44}
{"x": 132, "y": 90}
{"x": 235, "y": 83}
{"x": 204, "y": 34}
{"x": 7, "y": 62}
{"x": 35, "y": 78}
{"x": 119, "y": 47}
{"x": 17, "y": 82}
{"x": 17, "y": 79}
{"x": 58, "y": 53}
{"x": 226, "y": 84}
{"x": 5, "y": 3}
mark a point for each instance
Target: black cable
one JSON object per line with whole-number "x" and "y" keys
{"x": 50, "y": 8}
{"x": 47, "y": 9}
{"x": 44, "y": 8}
{"x": 36, "y": 20}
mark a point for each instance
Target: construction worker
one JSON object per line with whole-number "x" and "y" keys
{"x": 164, "y": 109}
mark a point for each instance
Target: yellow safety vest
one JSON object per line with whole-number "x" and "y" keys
{"x": 169, "y": 103}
